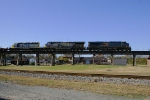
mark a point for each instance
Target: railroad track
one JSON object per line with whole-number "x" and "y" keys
{"x": 81, "y": 74}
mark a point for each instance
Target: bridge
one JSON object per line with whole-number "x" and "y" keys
{"x": 38, "y": 51}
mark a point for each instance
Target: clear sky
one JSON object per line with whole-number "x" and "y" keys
{"x": 75, "y": 20}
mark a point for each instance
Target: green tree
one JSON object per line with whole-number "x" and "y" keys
{"x": 139, "y": 60}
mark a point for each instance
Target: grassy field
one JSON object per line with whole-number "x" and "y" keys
{"x": 60, "y": 67}
{"x": 97, "y": 69}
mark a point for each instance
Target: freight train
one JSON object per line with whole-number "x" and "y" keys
{"x": 97, "y": 45}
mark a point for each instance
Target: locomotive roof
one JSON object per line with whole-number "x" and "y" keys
{"x": 27, "y": 42}
{"x": 67, "y": 42}
{"x": 104, "y": 41}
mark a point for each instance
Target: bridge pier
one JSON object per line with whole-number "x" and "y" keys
{"x": 148, "y": 61}
{"x": 134, "y": 60}
{"x": 112, "y": 59}
{"x": 50, "y": 58}
{"x": 1, "y": 61}
{"x": 72, "y": 59}
{"x": 17, "y": 62}
{"x": 53, "y": 60}
{"x": 93, "y": 59}
{"x": 20, "y": 59}
{"x": 37, "y": 59}
{"x": 4, "y": 59}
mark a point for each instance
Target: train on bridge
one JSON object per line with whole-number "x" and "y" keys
{"x": 97, "y": 45}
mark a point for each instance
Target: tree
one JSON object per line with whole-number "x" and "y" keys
{"x": 140, "y": 60}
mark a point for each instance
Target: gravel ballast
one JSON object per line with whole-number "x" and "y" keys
{"x": 12, "y": 91}
{"x": 80, "y": 78}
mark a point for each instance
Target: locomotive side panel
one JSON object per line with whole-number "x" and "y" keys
{"x": 79, "y": 45}
{"x": 52, "y": 44}
{"x": 115, "y": 45}
{"x": 33, "y": 45}
{"x": 59, "y": 45}
{"x": 93, "y": 45}
{"x": 26, "y": 45}
{"x": 65, "y": 45}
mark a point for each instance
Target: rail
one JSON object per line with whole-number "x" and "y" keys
{"x": 51, "y": 51}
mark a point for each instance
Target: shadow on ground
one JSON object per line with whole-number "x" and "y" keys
{"x": 3, "y": 99}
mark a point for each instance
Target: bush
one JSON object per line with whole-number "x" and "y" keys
{"x": 139, "y": 61}
{"x": 32, "y": 63}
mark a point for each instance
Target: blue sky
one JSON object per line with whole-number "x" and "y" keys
{"x": 75, "y": 20}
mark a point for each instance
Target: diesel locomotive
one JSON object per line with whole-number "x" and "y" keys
{"x": 26, "y": 45}
{"x": 111, "y": 45}
{"x": 65, "y": 45}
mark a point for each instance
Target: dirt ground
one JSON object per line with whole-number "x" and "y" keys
{"x": 139, "y": 70}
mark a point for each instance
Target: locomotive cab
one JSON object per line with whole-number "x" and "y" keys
{"x": 126, "y": 46}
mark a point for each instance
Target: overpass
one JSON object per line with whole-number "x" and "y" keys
{"x": 38, "y": 51}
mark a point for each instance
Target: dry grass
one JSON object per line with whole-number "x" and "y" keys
{"x": 103, "y": 88}
{"x": 128, "y": 70}
{"x": 141, "y": 70}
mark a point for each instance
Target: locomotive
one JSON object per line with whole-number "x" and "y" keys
{"x": 26, "y": 45}
{"x": 112, "y": 45}
{"x": 65, "y": 45}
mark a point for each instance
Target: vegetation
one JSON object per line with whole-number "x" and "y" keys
{"x": 60, "y": 67}
{"x": 141, "y": 70}
{"x": 139, "y": 61}
{"x": 32, "y": 63}
{"x": 102, "y": 88}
